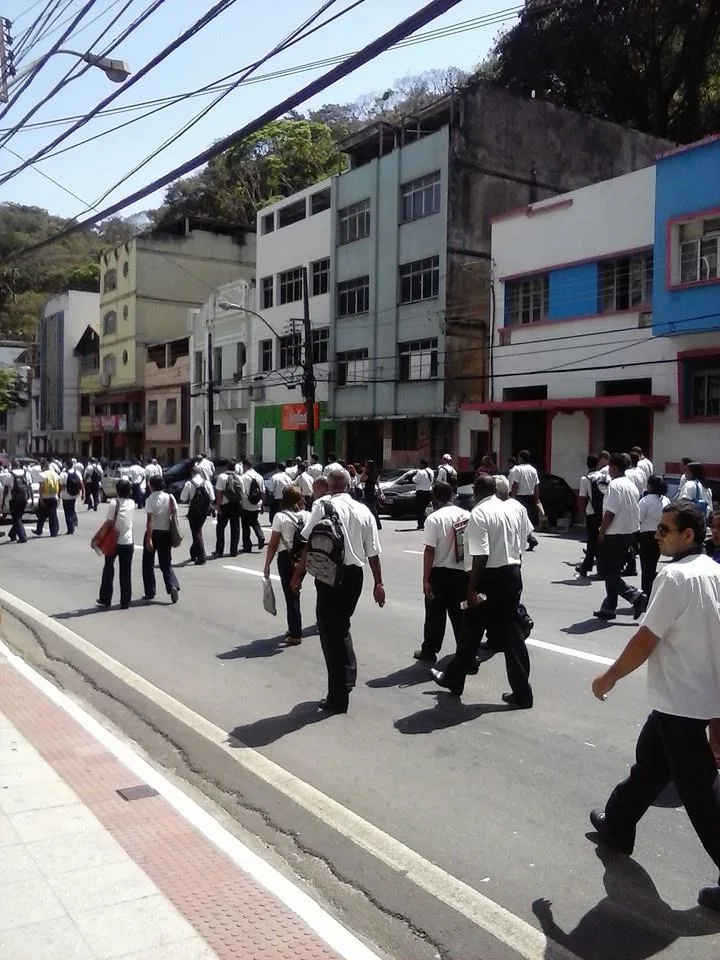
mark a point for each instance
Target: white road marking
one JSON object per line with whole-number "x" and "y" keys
{"x": 418, "y": 552}
{"x": 570, "y": 652}
{"x": 253, "y": 573}
{"x": 529, "y": 942}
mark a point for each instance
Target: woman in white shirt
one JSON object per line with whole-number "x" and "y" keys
{"x": 119, "y": 515}
{"x": 160, "y": 507}
{"x": 651, "y": 507}
{"x": 695, "y": 488}
{"x": 289, "y": 518}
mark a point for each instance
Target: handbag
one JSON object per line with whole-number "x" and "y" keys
{"x": 176, "y": 538}
{"x": 107, "y": 543}
{"x": 269, "y": 603}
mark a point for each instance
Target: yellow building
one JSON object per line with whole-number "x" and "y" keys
{"x": 87, "y": 350}
{"x": 147, "y": 286}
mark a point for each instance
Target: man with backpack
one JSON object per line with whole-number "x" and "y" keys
{"x": 251, "y": 505}
{"x": 20, "y": 496}
{"x": 424, "y": 479}
{"x": 446, "y": 472}
{"x": 48, "y": 500}
{"x": 198, "y": 494}
{"x": 93, "y": 478}
{"x": 341, "y": 536}
{"x": 71, "y": 487}
{"x": 228, "y": 494}
{"x": 593, "y": 486}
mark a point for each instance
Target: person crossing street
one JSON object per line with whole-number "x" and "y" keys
{"x": 198, "y": 494}
{"x": 251, "y": 506}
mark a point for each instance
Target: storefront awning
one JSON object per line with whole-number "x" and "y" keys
{"x": 649, "y": 401}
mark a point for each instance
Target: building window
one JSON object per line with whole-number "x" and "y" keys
{"x": 625, "y": 283}
{"x": 240, "y": 357}
{"x": 290, "y": 285}
{"x": 109, "y": 365}
{"x": 699, "y": 250}
{"x": 198, "y": 365}
{"x": 419, "y": 280}
{"x": 290, "y": 350}
{"x": 217, "y": 365}
{"x": 352, "y": 367}
{"x": 292, "y": 213}
{"x": 405, "y": 434}
{"x": 700, "y": 377}
{"x": 110, "y": 280}
{"x": 89, "y": 363}
{"x": 354, "y": 222}
{"x": 320, "y": 271}
{"x": 353, "y": 296}
{"x": 109, "y": 323}
{"x": 266, "y": 285}
{"x": 267, "y": 223}
{"x": 320, "y": 342}
{"x": 125, "y": 357}
{"x": 126, "y": 312}
{"x": 320, "y": 201}
{"x": 265, "y": 356}
{"x": 152, "y": 413}
{"x": 171, "y": 410}
{"x": 420, "y": 197}
{"x": 527, "y": 300}
{"x": 418, "y": 359}
{"x": 84, "y": 404}
{"x": 126, "y": 269}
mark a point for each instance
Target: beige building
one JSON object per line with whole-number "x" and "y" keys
{"x": 87, "y": 351}
{"x": 167, "y": 400}
{"x": 147, "y": 286}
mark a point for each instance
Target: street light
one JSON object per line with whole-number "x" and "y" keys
{"x": 225, "y": 305}
{"x": 115, "y": 70}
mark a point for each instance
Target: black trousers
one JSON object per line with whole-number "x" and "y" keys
{"x": 449, "y": 589}
{"x": 592, "y": 529}
{"x": 422, "y": 502}
{"x": 17, "y": 529}
{"x": 273, "y": 508}
{"x": 250, "y": 520}
{"x": 649, "y": 555}
{"x": 530, "y": 504}
{"x": 47, "y": 510}
{"x": 229, "y": 513}
{"x": 92, "y": 493}
{"x": 70, "y": 511}
{"x": 612, "y": 558}
{"x": 292, "y": 598}
{"x": 162, "y": 546}
{"x": 498, "y": 617}
{"x": 670, "y": 748}
{"x": 335, "y": 607}
{"x": 197, "y": 547}
{"x": 124, "y": 554}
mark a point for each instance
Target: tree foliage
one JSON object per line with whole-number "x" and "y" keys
{"x": 649, "y": 64}
{"x": 8, "y": 381}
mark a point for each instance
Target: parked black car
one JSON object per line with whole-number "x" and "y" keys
{"x": 556, "y": 495}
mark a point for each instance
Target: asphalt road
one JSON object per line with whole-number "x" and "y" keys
{"x": 496, "y": 798}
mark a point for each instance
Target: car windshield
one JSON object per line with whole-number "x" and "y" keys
{"x": 177, "y": 469}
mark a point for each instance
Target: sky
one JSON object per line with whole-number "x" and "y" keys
{"x": 242, "y": 34}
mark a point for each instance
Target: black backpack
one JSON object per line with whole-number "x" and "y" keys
{"x": 233, "y": 487}
{"x": 298, "y": 544}
{"x": 254, "y": 494}
{"x": 201, "y": 502}
{"x": 326, "y": 548}
{"x": 19, "y": 492}
{"x": 72, "y": 484}
{"x": 597, "y": 497}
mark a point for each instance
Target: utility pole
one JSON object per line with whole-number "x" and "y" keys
{"x": 7, "y": 66}
{"x": 210, "y": 398}
{"x": 308, "y": 385}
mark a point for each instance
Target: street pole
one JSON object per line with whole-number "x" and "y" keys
{"x": 210, "y": 397}
{"x": 308, "y": 373}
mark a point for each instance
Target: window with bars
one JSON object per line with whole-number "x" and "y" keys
{"x": 353, "y": 296}
{"x": 290, "y": 350}
{"x": 320, "y": 276}
{"x": 420, "y": 280}
{"x": 699, "y": 250}
{"x": 110, "y": 280}
{"x": 625, "y": 283}
{"x": 266, "y": 287}
{"x": 418, "y": 359}
{"x": 354, "y": 222}
{"x": 290, "y": 285}
{"x": 110, "y": 365}
{"x": 109, "y": 323}
{"x": 320, "y": 343}
{"x": 171, "y": 410}
{"x": 152, "y": 413}
{"x": 352, "y": 367}
{"x": 89, "y": 362}
{"x": 700, "y": 387}
{"x": 265, "y": 356}
{"x": 421, "y": 197}
{"x": 527, "y": 300}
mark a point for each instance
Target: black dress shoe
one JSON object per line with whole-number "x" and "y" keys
{"x": 333, "y": 706}
{"x": 512, "y": 701}
{"x": 424, "y": 657}
{"x": 709, "y": 897}
{"x": 639, "y": 606}
{"x": 439, "y": 678}
{"x": 599, "y": 822}
{"x": 604, "y": 614}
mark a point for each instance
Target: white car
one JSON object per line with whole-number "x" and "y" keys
{"x": 114, "y": 471}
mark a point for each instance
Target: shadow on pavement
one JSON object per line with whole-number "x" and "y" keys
{"x": 88, "y": 611}
{"x": 264, "y": 647}
{"x": 409, "y": 676}
{"x": 260, "y": 733}
{"x": 593, "y": 625}
{"x": 448, "y": 711}
{"x": 631, "y": 923}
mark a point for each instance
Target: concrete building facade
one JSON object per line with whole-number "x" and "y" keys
{"x": 167, "y": 400}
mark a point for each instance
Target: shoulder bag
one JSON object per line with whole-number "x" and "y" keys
{"x": 107, "y": 543}
{"x": 176, "y": 538}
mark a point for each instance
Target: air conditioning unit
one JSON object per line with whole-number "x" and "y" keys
{"x": 645, "y": 319}
{"x": 256, "y": 393}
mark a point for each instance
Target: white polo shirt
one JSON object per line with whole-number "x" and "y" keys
{"x": 277, "y": 484}
{"x": 424, "y": 479}
{"x": 305, "y": 482}
{"x": 247, "y": 479}
{"x": 315, "y": 470}
{"x": 650, "y": 509}
{"x": 495, "y": 531}
{"x": 684, "y": 612}
{"x": 358, "y": 525}
{"x": 646, "y": 466}
{"x": 526, "y": 477}
{"x": 622, "y": 500}
{"x": 440, "y": 534}
{"x": 124, "y": 522}
{"x": 161, "y": 505}
{"x": 285, "y": 523}
{"x": 638, "y": 478}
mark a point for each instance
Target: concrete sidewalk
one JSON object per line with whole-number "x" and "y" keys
{"x": 86, "y": 874}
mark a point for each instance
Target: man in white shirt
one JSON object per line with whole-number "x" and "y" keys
{"x": 136, "y": 475}
{"x": 678, "y": 638}
{"x": 48, "y": 500}
{"x": 315, "y": 469}
{"x": 591, "y": 493}
{"x": 153, "y": 469}
{"x": 446, "y": 472}
{"x": 636, "y": 474}
{"x": 276, "y": 485}
{"x": 206, "y": 466}
{"x": 336, "y": 604}
{"x": 525, "y": 487}
{"x": 71, "y": 487}
{"x": 424, "y": 479}
{"x": 228, "y": 497}
{"x": 444, "y": 580}
{"x": 643, "y": 462}
{"x": 292, "y": 467}
{"x": 618, "y": 529}
{"x": 304, "y": 480}
{"x": 494, "y": 540}
{"x": 93, "y": 478}
{"x": 198, "y": 493}
{"x": 251, "y": 505}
